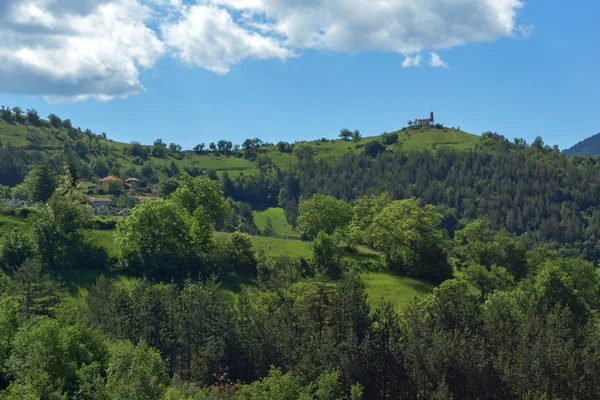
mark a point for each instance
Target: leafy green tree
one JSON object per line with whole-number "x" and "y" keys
{"x": 55, "y": 121}
{"x": 356, "y": 137}
{"x": 345, "y": 134}
{"x": 167, "y": 186}
{"x": 175, "y": 148}
{"x": 42, "y": 182}
{"x": 9, "y": 323}
{"x": 199, "y": 148}
{"x": 40, "y": 359}
{"x": 33, "y": 117}
{"x": 323, "y": 213}
{"x": 67, "y": 124}
{"x": 477, "y": 243}
{"x": 409, "y": 235}
{"x": 18, "y": 112}
{"x": 365, "y": 209}
{"x": 135, "y": 372}
{"x": 496, "y": 278}
{"x": 154, "y": 238}
{"x": 201, "y": 230}
{"x": 326, "y": 254}
{"x": 15, "y": 248}
{"x": 55, "y": 231}
{"x": 240, "y": 254}
{"x": 201, "y": 191}
{"x": 159, "y": 149}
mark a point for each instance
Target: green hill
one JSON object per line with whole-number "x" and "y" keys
{"x": 587, "y": 147}
{"x": 101, "y": 156}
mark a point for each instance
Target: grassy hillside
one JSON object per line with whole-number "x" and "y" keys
{"x": 280, "y": 225}
{"x": 399, "y": 291}
{"x": 92, "y": 149}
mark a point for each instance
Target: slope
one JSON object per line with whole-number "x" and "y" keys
{"x": 100, "y": 156}
{"x": 587, "y": 147}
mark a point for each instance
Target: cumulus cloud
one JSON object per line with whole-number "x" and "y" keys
{"x": 436, "y": 62}
{"x": 73, "y": 49}
{"x": 404, "y": 26}
{"x": 79, "y": 49}
{"x": 412, "y": 61}
{"x": 208, "y": 37}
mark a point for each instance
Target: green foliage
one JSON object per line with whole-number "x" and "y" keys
{"x": 201, "y": 191}
{"x": 154, "y": 238}
{"x": 201, "y": 231}
{"x": 374, "y": 148}
{"x": 365, "y": 209}
{"x": 326, "y": 254}
{"x": 135, "y": 372}
{"x": 477, "y": 243}
{"x": 279, "y": 386}
{"x": 41, "y": 182}
{"x": 37, "y": 293}
{"x": 55, "y": 231}
{"x": 323, "y": 213}
{"x": 9, "y": 323}
{"x": 409, "y": 235}
{"x": 46, "y": 356}
{"x": 240, "y": 254}
{"x": 15, "y": 248}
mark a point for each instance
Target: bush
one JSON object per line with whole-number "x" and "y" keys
{"x": 374, "y": 148}
{"x": 389, "y": 138}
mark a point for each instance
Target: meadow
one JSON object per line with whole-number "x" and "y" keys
{"x": 380, "y": 286}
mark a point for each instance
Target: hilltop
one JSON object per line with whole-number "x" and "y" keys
{"x": 100, "y": 156}
{"x": 587, "y": 147}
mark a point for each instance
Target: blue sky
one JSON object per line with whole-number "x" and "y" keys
{"x": 539, "y": 76}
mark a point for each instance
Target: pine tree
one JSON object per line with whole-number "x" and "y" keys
{"x": 43, "y": 182}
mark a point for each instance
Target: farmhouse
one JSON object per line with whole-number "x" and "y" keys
{"x": 426, "y": 122}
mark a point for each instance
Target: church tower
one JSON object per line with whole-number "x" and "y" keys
{"x": 431, "y": 118}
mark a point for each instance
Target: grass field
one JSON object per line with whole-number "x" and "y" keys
{"x": 397, "y": 290}
{"x": 432, "y": 138}
{"x": 7, "y": 224}
{"x": 280, "y": 225}
{"x": 393, "y": 289}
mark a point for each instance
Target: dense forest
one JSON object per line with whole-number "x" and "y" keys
{"x": 506, "y": 231}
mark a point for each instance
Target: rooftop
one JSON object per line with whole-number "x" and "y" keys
{"x": 109, "y": 178}
{"x": 99, "y": 200}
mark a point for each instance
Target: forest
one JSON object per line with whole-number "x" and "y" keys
{"x": 506, "y": 232}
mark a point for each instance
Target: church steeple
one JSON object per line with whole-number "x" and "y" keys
{"x": 431, "y": 118}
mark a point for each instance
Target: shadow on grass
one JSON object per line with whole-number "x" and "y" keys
{"x": 235, "y": 283}
{"x": 75, "y": 279}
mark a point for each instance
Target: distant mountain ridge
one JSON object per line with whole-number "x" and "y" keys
{"x": 587, "y": 147}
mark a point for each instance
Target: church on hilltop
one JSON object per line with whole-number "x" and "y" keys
{"x": 426, "y": 122}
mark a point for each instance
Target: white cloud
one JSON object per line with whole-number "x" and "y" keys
{"x": 208, "y": 37}
{"x": 79, "y": 49}
{"x": 412, "y": 61}
{"x": 70, "y": 49}
{"x": 436, "y": 61}
{"x": 404, "y": 26}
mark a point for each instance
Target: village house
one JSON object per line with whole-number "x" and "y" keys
{"x": 99, "y": 202}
